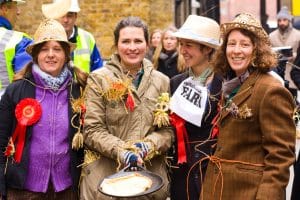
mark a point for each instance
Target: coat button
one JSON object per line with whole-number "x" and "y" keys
{"x": 88, "y": 171}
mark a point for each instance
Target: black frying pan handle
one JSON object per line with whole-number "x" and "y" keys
{"x": 133, "y": 167}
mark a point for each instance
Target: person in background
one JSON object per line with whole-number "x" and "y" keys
{"x": 13, "y": 56}
{"x": 285, "y": 34}
{"x": 119, "y": 126}
{"x": 86, "y": 56}
{"x": 40, "y": 114}
{"x": 155, "y": 39}
{"x": 255, "y": 128}
{"x": 197, "y": 46}
{"x": 167, "y": 58}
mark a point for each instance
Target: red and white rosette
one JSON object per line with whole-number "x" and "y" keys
{"x": 28, "y": 111}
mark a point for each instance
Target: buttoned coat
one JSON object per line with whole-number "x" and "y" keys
{"x": 254, "y": 153}
{"x": 108, "y": 125}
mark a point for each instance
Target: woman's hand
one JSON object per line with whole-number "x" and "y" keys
{"x": 132, "y": 159}
{"x": 144, "y": 149}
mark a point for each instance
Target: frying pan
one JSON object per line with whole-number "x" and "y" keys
{"x": 157, "y": 181}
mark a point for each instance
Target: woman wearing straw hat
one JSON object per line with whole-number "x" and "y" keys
{"x": 195, "y": 95}
{"x": 256, "y": 136}
{"x": 40, "y": 113}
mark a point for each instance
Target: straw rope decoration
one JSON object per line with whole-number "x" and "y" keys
{"x": 79, "y": 109}
{"x": 218, "y": 162}
{"x": 89, "y": 157}
{"x": 161, "y": 113}
{"x": 118, "y": 90}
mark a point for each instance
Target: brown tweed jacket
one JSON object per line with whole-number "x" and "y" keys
{"x": 254, "y": 151}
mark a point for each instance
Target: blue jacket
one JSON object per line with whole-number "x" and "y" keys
{"x": 21, "y": 56}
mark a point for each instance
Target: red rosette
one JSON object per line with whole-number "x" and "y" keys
{"x": 182, "y": 137}
{"x": 28, "y": 111}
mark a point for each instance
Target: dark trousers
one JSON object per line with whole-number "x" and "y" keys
{"x": 296, "y": 183}
{"x": 178, "y": 184}
{"x": 68, "y": 194}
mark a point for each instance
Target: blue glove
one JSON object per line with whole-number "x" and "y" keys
{"x": 144, "y": 149}
{"x": 130, "y": 158}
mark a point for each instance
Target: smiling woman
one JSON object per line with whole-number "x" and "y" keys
{"x": 256, "y": 130}
{"x": 239, "y": 51}
{"x": 118, "y": 125}
{"x": 40, "y": 163}
{"x": 132, "y": 48}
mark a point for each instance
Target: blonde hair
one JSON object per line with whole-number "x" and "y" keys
{"x": 180, "y": 60}
{"x": 153, "y": 32}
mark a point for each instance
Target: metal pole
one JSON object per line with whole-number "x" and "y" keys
{"x": 264, "y": 16}
{"x": 278, "y": 5}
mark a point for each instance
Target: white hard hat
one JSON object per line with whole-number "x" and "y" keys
{"x": 74, "y": 6}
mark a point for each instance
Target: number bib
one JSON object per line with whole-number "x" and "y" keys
{"x": 189, "y": 101}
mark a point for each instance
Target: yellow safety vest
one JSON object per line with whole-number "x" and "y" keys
{"x": 85, "y": 43}
{"x": 9, "y": 39}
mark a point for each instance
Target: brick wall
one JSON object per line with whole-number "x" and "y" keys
{"x": 100, "y": 17}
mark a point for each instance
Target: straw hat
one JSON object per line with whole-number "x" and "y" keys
{"x": 56, "y": 9}
{"x": 200, "y": 29}
{"x": 248, "y": 22}
{"x": 6, "y": 1}
{"x": 50, "y": 30}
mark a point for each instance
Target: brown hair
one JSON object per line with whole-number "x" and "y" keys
{"x": 262, "y": 58}
{"x": 130, "y": 22}
{"x": 37, "y": 48}
{"x": 80, "y": 75}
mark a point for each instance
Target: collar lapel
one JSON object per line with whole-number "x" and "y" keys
{"x": 244, "y": 93}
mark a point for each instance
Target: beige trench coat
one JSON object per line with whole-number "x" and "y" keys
{"x": 108, "y": 125}
{"x": 257, "y": 151}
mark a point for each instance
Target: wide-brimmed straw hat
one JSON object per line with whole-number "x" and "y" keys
{"x": 200, "y": 29}
{"x": 50, "y": 30}
{"x": 248, "y": 22}
{"x": 56, "y": 9}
